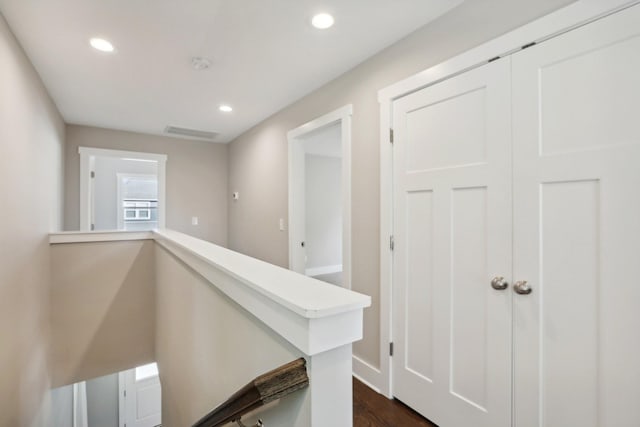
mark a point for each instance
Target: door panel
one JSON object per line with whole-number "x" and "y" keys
{"x": 570, "y": 250}
{"x": 586, "y": 101}
{"x": 142, "y": 397}
{"x": 148, "y": 397}
{"x": 452, "y": 222}
{"x": 419, "y": 291}
{"x": 449, "y": 145}
{"x": 577, "y": 227}
{"x": 468, "y": 317}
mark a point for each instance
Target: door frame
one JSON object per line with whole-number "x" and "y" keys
{"x": 87, "y": 160}
{"x": 296, "y": 192}
{"x": 559, "y": 22}
{"x": 122, "y": 400}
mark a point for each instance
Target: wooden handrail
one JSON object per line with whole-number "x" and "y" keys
{"x": 263, "y": 389}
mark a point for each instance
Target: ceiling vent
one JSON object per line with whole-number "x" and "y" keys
{"x": 191, "y": 133}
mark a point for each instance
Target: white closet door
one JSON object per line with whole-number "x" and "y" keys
{"x": 577, "y": 227}
{"x": 452, "y": 228}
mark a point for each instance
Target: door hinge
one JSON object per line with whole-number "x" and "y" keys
{"x": 391, "y": 136}
{"x": 125, "y": 393}
{"x": 93, "y": 227}
{"x": 93, "y": 174}
{"x": 390, "y": 349}
{"x": 528, "y": 45}
{"x": 392, "y": 242}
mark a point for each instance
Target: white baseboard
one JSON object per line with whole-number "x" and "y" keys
{"x": 325, "y": 269}
{"x": 366, "y": 373}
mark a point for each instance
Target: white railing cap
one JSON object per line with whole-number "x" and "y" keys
{"x": 303, "y": 295}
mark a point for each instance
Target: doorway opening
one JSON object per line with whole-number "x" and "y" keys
{"x": 121, "y": 190}
{"x": 137, "y": 201}
{"x": 131, "y": 398}
{"x": 319, "y": 198}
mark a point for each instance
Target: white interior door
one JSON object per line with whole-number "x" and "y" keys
{"x": 577, "y": 227}
{"x": 142, "y": 397}
{"x": 452, "y": 228}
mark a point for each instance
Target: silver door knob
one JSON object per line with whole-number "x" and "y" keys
{"x": 499, "y": 283}
{"x": 522, "y": 288}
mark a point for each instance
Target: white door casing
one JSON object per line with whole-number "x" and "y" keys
{"x": 452, "y": 225}
{"x": 297, "y": 207}
{"x": 576, "y": 128}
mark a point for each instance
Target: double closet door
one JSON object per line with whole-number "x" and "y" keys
{"x": 516, "y": 268}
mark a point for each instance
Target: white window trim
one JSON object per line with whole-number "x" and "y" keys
{"x": 87, "y": 153}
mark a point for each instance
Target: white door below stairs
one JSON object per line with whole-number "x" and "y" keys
{"x": 140, "y": 397}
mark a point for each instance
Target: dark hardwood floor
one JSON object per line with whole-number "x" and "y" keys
{"x": 371, "y": 409}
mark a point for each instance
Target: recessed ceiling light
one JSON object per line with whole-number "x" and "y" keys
{"x": 322, "y": 21}
{"x": 226, "y": 108}
{"x": 102, "y": 45}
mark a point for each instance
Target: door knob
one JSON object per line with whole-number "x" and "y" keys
{"x": 522, "y": 288}
{"x": 499, "y": 283}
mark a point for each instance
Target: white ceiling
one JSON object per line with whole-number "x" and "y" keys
{"x": 265, "y": 55}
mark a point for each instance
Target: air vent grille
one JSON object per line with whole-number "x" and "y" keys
{"x": 190, "y": 133}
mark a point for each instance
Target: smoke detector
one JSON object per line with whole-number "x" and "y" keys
{"x": 200, "y": 63}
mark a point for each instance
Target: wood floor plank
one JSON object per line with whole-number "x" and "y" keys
{"x": 371, "y": 409}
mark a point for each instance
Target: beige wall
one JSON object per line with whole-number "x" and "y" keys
{"x": 31, "y": 144}
{"x": 102, "y": 308}
{"x": 196, "y": 178}
{"x": 207, "y": 347}
{"x": 258, "y": 158}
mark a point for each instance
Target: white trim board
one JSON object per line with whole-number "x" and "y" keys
{"x": 98, "y": 236}
{"x": 329, "y": 118}
{"x": 366, "y": 373}
{"x": 570, "y": 17}
{"x": 343, "y": 116}
{"x": 103, "y": 152}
